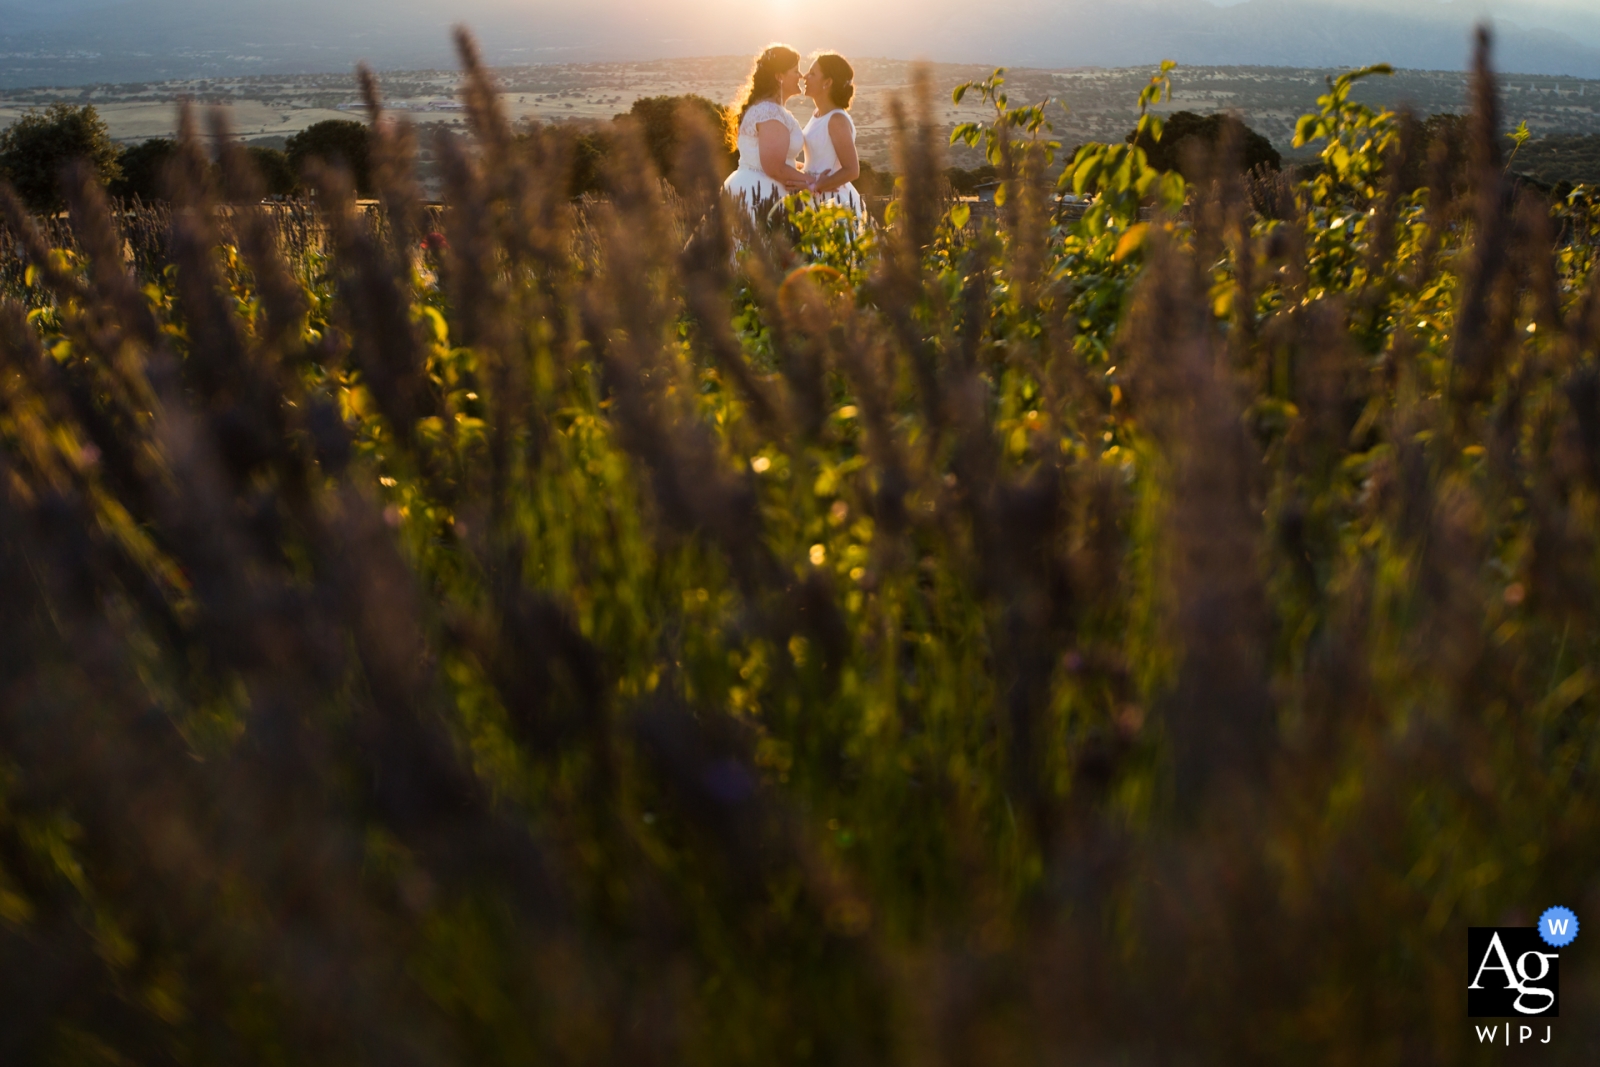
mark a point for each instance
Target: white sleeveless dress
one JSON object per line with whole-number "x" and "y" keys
{"x": 751, "y": 185}
{"x": 823, "y": 159}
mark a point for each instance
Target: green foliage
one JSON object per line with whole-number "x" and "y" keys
{"x": 662, "y": 118}
{"x": 996, "y": 135}
{"x": 830, "y": 238}
{"x": 874, "y": 182}
{"x": 1120, "y": 177}
{"x": 1185, "y": 129}
{"x": 1358, "y": 137}
{"x": 1519, "y": 137}
{"x": 142, "y": 170}
{"x": 36, "y": 149}
{"x": 662, "y": 121}
{"x": 965, "y": 182}
{"x": 590, "y": 150}
{"x": 1444, "y": 142}
{"x": 336, "y": 142}
{"x": 277, "y": 173}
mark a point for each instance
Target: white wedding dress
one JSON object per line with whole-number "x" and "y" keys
{"x": 750, "y": 185}
{"x": 822, "y": 159}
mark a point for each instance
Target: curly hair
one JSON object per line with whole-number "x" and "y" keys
{"x": 837, "y": 70}
{"x": 763, "y": 84}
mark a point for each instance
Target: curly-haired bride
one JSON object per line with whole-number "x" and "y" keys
{"x": 767, "y": 136}
{"x": 830, "y": 136}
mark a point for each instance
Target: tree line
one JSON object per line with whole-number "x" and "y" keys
{"x": 35, "y": 149}
{"x": 41, "y": 144}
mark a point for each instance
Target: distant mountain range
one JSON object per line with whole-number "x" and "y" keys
{"x": 67, "y": 42}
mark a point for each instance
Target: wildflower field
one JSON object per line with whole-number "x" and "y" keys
{"x": 616, "y": 633}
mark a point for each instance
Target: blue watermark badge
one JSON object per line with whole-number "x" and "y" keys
{"x": 1558, "y": 926}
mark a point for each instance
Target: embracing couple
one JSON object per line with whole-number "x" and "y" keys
{"x": 769, "y": 138}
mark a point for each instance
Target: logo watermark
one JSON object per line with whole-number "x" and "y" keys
{"x": 1513, "y": 972}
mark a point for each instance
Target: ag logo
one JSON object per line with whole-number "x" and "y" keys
{"x": 1511, "y": 972}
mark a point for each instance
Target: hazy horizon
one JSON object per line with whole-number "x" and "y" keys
{"x": 78, "y": 41}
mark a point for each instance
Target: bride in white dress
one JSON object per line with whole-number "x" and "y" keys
{"x": 767, "y": 136}
{"x": 830, "y": 136}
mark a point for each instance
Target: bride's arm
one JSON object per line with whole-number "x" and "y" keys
{"x": 844, "y": 144}
{"x": 773, "y": 137}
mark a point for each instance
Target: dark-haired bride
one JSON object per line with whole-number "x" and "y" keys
{"x": 767, "y": 136}
{"x": 830, "y": 137}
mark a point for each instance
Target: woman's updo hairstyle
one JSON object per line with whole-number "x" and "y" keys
{"x": 842, "y": 74}
{"x": 763, "y": 84}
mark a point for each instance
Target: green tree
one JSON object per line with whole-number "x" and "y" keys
{"x": 1445, "y": 138}
{"x": 591, "y": 145}
{"x": 874, "y": 182}
{"x": 1166, "y": 151}
{"x": 662, "y": 119}
{"x": 589, "y": 152}
{"x": 339, "y": 142}
{"x": 277, "y": 173}
{"x": 39, "y": 145}
{"x": 142, "y": 166}
{"x": 965, "y": 182}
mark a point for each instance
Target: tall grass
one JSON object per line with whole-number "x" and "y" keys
{"x": 614, "y": 638}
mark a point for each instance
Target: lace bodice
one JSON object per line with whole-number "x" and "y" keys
{"x": 750, "y": 142}
{"x": 821, "y": 156}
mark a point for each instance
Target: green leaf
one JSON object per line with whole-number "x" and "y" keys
{"x": 1131, "y": 241}
{"x": 1086, "y": 171}
{"x": 960, "y": 215}
{"x": 434, "y": 320}
{"x": 1174, "y": 190}
{"x": 1303, "y": 130}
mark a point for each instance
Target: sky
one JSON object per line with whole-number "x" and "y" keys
{"x": 1545, "y": 12}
